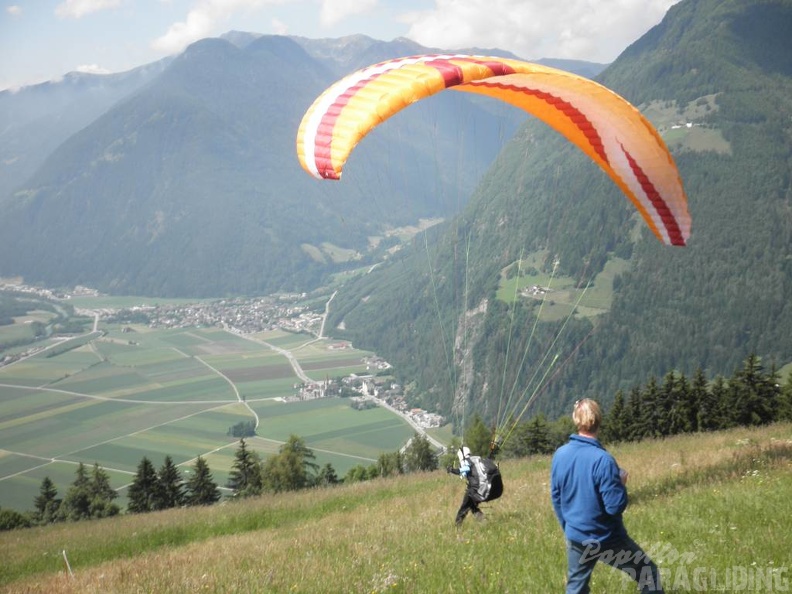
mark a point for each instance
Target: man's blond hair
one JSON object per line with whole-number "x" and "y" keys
{"x": 587, "y": 415}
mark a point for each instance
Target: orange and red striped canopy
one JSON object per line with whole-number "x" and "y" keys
{"x": 606, "y": 127}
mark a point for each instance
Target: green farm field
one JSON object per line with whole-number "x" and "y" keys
{"x": 565, "y": 294}
{"x": 136, "y": 391}
{"x": 23, "y": 328}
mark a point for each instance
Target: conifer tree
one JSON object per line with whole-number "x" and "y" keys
{"x": 784, "y": 410}
{"x": 723, "y": 415}
{"x": 101, "y": 494}
{"x": 774, "y": 392}
{"x": 478, "y": 436}
{"x": 676, "y": 392}
{"x": 46, "y": 503}
{"x": 144, "y": 491}
{"x": 327, "y": 476}
{"x": 688, "y": 403}
{"x": 537, "y": 437}
{"x": 244, "y": 480}
{"x": 76, "y": 504}
{"x": 634, "y": 428}
{"x": 615, "y": 429}
{"x": 201, "y": 488}
{"x": 653, "y": 417}
{"x": 668, "y": 406}
{"x": 171, "y": 486}
{"x": 707, "y": 409}
{"x": 752, "y": 394}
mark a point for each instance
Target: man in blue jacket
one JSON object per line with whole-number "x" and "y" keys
{"x": 589, "y": 495}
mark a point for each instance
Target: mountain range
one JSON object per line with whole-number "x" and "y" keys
{"x": 180, "y": 178}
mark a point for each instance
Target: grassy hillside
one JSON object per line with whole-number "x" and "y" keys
{"x": 709, "y": 508}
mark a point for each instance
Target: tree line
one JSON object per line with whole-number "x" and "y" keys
{"x": 294, "y": 468}
{"x": 90, "y": 496}
{"x": 752, "y": 396}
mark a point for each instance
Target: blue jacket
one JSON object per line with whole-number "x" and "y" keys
{"x": 587, "y": 493}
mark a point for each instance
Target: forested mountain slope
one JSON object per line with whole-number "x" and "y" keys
{"x": 716, "y": 79}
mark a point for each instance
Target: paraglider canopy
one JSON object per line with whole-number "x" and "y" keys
{"x": 607, "y": 128}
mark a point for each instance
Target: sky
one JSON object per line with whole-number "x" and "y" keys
{"x": 42, "y": 40}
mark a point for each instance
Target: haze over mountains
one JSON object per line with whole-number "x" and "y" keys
{"x": 187, "y": 184}
{"x": 180, "y": 178}
{"x": 35, "y": 120}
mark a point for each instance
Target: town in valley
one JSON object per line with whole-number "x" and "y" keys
{"x": 243, "y": 316}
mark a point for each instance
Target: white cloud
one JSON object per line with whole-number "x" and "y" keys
{"x": 79, "y": 8}
{"x": 577, "y": 29}
{"x": 198, "y": 24}
{"x": 335, "y": 11}
{"x": 14, "y": 10}
{"x": 279, "y": 27}
{"x": 204, "y": 20}
{"x": 92, "y": 69}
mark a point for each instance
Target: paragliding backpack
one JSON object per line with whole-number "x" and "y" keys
{"x": 490, "y": 484}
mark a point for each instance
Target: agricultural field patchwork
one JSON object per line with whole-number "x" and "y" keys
{"x": 135, "y": 391}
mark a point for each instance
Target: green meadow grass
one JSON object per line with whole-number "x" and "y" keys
{"x": 566, "y": 292}
{"x": 136, "y": 355}
{"x": 267, "y": 389}
{"x": 284, "y": 340}
{"x": 40, "y": 370}
{"x": 712, "y": 509}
